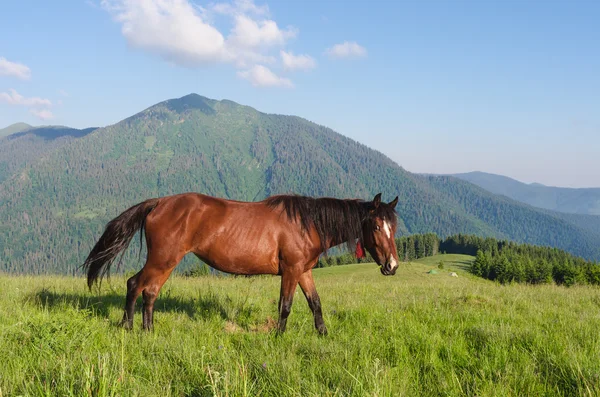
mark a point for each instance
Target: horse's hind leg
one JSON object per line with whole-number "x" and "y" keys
{"x": 150, "y": 294}
{"x": 132, "y": 294}
{"x": 147, "y": 282}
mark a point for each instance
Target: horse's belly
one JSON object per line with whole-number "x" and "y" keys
{"x": 249, "y": 258}
{"x": 239, "y": 240}
{"x": 244, "y": 268}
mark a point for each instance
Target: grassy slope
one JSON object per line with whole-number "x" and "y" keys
{"x": 412, "y": 334}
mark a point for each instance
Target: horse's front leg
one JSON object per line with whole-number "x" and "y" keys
{"x": 289, "y": 280}
{"x": 314, "y": 302}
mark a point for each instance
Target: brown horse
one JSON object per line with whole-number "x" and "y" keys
{"x": 282, "y": 235}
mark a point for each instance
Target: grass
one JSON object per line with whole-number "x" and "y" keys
{"x": 408, "y": 335}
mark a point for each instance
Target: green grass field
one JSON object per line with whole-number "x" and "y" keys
{"x": 408, "y": 335}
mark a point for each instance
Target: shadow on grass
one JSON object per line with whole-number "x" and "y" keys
{"x": 100, "y": 305}
{"x": 462, "y": 265}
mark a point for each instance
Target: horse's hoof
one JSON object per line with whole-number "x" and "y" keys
{"x": 128, "y": 325}
{"x": 279, "y": 332}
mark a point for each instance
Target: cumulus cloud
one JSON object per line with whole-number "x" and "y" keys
{"x": 182, "y": 33}
{"x": 172, "y": 29}
{"x": 240, "y": 7}
{"x": 261, "y": 76}
{"x": 297, "y": 62}
{"x": 347, "y": 49}
{"x": 12, "y": 97}
{"x": 14, "y": 69}
{"x": 185, "y": 34}
{"x": 42, "y": 114}
{"x": 249, "y": 33}
{"x": 37, "y": 106}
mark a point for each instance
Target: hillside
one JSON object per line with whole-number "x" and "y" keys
{"x": 52, "y": 211}
{"x": 501, "y": 212}
{"x": 575, "y": 201}
{"x": 22, "y": 148}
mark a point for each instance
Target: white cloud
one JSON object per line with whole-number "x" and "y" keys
{"x": 172, "y": 29}
{"x": 240, "y": 7}
{"x": 261, "y": 76}
{"x": 37, "y": 106}
{"x": 181, "y": 32}
{"x": 249, "y": 33}
{"x": 14, "y": 69}
{"x": 14, "y": 98}
{"x": 347, "y": 49}
{"x": 297, "y": 62}
{"x": 42, "y": 114}
{"x": 185, "y": 34}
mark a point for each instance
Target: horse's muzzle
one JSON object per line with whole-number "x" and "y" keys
{"x": 387, "y": 269}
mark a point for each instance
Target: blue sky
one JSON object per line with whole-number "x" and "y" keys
{"x": 509, "y": 87}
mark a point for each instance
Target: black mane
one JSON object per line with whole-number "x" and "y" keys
{"x": 338, "y": 220}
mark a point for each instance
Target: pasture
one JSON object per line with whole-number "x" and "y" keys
{"x": 408, "y": 335}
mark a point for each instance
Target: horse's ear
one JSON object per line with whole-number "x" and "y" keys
{"x": 394, "y": 202}
{"x": 377, "y": 200}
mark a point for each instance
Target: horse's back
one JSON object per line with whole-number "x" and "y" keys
{"x": 232, "y": 236}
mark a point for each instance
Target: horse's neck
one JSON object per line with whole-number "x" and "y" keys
{"x": 334, "y": 243}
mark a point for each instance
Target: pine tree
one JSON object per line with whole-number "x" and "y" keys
{"x": 410, "y": 249}
{"x": 479, "y": 266}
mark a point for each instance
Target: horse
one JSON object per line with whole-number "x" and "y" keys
{"x": 281, "y": 235}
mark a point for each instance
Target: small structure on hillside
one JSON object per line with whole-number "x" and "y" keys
{"x": 453, "y": 274}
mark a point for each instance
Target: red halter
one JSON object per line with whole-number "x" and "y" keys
{"x": 360, "y": 252}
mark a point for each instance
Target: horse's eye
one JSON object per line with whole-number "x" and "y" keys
{"x": 376, "y": 227}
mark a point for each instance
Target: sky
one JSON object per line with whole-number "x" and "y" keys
{"x": 507, "y": 87}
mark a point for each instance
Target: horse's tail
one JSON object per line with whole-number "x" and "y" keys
{"x": 115, "y": 239}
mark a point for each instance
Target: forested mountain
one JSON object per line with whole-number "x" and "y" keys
{"x": 32, "y": 144}
{"x": 52, "y": 211}
{"x": 501, "y": 213}
{"x": 574, "y": 201}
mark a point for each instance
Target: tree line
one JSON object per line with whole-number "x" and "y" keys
{"x": 498, "y": 260}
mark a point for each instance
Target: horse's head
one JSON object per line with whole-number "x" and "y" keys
{"x": 379, "y": 229}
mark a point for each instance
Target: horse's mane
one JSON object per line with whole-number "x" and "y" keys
{"x": 339, "y": 220}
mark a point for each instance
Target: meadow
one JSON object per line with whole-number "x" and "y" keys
{"x": 409, "y": 335}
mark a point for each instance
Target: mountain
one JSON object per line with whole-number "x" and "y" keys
{"x": 53, "y": 210}
{"x": 574, "y": 201}
{"x": 32, "y": 144}
{"x": 14, "y": 128}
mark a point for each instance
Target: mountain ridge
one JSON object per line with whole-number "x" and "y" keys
{"x": 58, "y": 206}
{"x": 584, "y": 201}
{"x": 13, "y": 128}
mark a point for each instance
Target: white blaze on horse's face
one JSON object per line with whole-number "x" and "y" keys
{"x": 393, "y": 263}
{"x": 388, "y": 234}
{"x": 386, "y": 228}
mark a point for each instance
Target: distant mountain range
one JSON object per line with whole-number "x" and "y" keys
{"x": 62, "y": 186}
{"x": 14, "y": 128}
{"x": 573, "y": 201}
